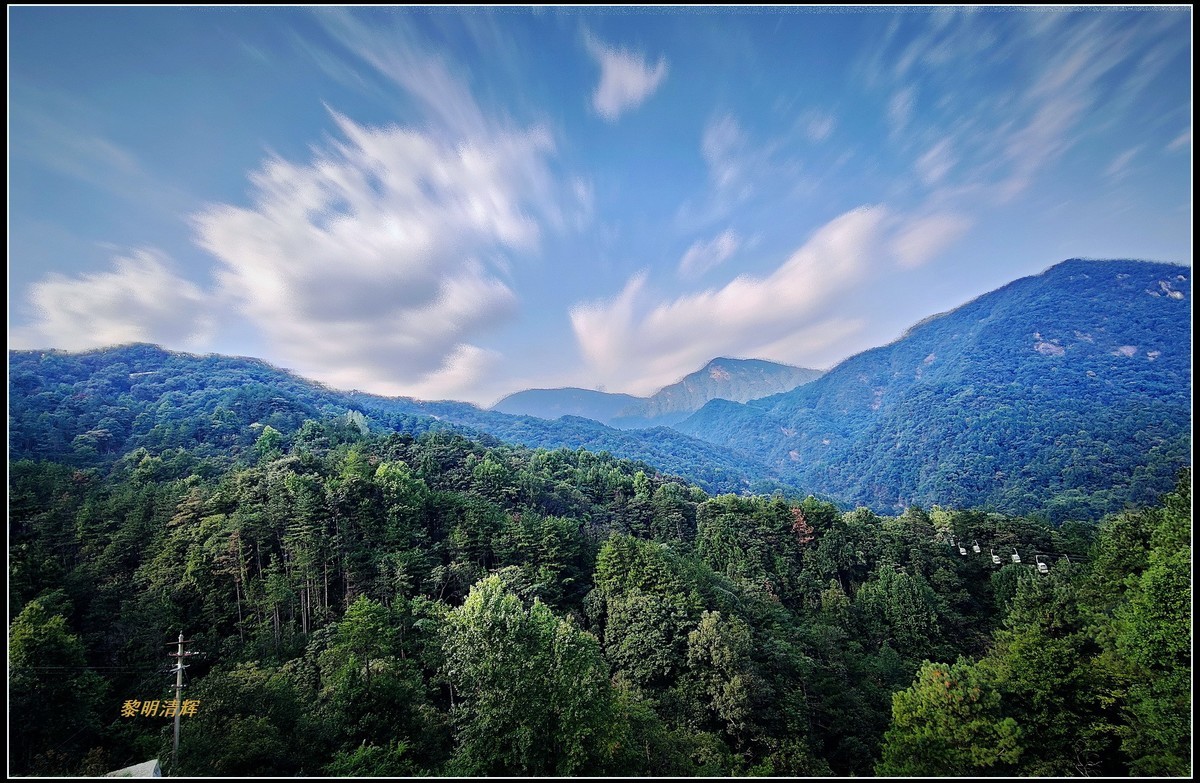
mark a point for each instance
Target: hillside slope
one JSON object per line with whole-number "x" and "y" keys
{"x": 1067, "y": 391}
{"x": 89, "y": 408}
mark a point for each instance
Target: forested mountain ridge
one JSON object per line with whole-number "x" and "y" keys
{"x": 1068, "y": 391}
{"x": 90, "y": 407}
{"x": 739, "y": 380}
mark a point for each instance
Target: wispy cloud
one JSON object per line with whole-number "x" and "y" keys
{"x": 935, "y": 164}
{"x": 398, "y": 52}
{"x": 922, "y": 239}
{"x": 626, "y": 78}
{"x": 721, "y": 145}
{"x": 141, "y": 300}
{"x": 983, "y": 131}
{"x": 703, "y": 256}
{"x": 1179, "y": 142}
{"x": 900, "y": 109}
{"x": 737, "y": 168}
{"x": 1120, "y": 164}
{"x": 818, "y": 125}
{"x": 56, "y": 132}
{"x": 638, "y": 344}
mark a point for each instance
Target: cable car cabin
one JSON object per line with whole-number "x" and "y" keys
{"x": 1015, "y": 557}
{"x": 975, "y": 547}
{"x": 962, "y": 550}
{"x": 995, "y": 557}
{"x": 1042, "y": 567}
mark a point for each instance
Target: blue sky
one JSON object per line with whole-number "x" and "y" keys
{"x": 461, "y": 203}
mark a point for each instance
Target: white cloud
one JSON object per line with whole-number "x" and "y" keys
{"x": 900, "y": 109}
{"x": 1065, "y": 100}
{"x": 398, "y": 53}
{"x": 365, "y": 266}
{"x": 626, "y": 79}
{"x": 734, "y": 166}
{"x": 585, "y": 200}
{"x": 141, "y": 300}
{"x": 923, "y": 239}
{"x": 935, "y": 164}
{"x": 383, "y": 262}
{"x": 722, "y": 141}
{"x": 1083, "y": 75}
{"x": 818, "y": 126}
{"x": 703, "y": 256}
{"x": 1179, "y": 142}
{"x": 638, "y": 345}
{"x": 1120, "y": 164}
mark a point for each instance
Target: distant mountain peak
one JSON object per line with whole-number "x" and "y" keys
{"x": 738, "y": 380}
{"x": 721, "y": 378}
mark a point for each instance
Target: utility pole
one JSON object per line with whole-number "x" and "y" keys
{"x": 178, "y": 655}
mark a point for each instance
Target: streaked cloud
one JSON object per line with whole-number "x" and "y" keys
{"x": 59, "y": 133}
{"x": 936, "y": 163}
{"x": 818, "y": 125}
{"x": 1120, "y": 164}
{"x": 140, "y": 300}
{"x": 720, "y": 146}
{"x": 923, "y": 239}
{"x": 639, "y": 344}
{"x": 737, "y": 167}
{"x": 900, "y": 108}
{"x": 400, "y": 54}
{"x": 627, "y": 79}
{"x": 703, "y": 256}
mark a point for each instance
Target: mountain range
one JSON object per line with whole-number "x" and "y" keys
{"x": 738, "y": 380}
{"x": 1069, "y": 390}
{"x": 1067, "y": 393}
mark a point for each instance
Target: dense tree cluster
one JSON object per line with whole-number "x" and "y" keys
{"x": 376, "y": 604}
{"x": 1089, "y": 674}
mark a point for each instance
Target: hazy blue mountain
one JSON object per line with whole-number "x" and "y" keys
{"x": 1067, "y": 391}
{"x": 738, "y": 380}
{"x": 726, "y": 379}
{"x": 552, "y": 403}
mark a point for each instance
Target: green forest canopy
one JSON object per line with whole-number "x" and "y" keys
{"x": 391, "y": 605}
